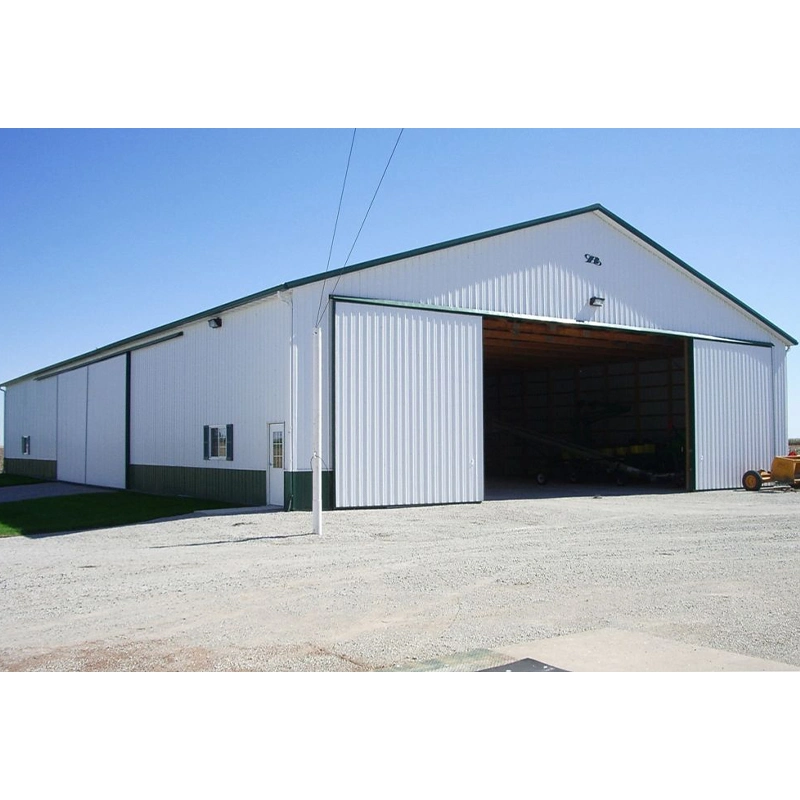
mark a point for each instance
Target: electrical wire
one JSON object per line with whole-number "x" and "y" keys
{"x": 336, "y": 225}
{"x": 377, "y": 189}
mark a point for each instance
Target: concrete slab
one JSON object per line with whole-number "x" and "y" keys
{"x": 35, "y": 491}
{"x": 614, "y": 650}
{"x": 602, "y": 650}
{"x": 471, "y": 661}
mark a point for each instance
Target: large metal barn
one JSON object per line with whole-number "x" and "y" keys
{"x": 571, "y": 347}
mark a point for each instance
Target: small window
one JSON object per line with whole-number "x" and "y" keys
{"x": 277, "y": 449}
{"x": 26, "y": 445}
{"x": 218, "y": 442}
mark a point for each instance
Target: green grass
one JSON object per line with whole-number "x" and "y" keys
{"x": 80, "y": 512}
{"x": 16, "y": 480}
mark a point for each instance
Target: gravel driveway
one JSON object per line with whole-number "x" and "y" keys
{"x": 257, "y": 591}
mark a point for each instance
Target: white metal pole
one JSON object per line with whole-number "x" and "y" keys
{"x": 316, "y": 458}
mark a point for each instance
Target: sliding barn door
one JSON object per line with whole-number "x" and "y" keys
{"x": 733, "y": 401}
{"x": 408, "y": 407}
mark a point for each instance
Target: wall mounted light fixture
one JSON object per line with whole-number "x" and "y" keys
{"x": 215, "y": 322}
{"x": 597, "y": 301}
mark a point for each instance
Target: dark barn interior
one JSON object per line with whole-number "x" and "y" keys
{"x": 581, "y": 404}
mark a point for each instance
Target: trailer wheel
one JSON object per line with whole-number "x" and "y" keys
{"x": 751, "y": 481}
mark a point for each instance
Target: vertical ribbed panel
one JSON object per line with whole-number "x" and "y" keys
{"x": 105, "y": 432}
{"x": 31, "y": 411}
{"x": 408, "y": 407}
{"x": 734, "y": 422}
{"x": 543, "y": 271}
{"x": 237, "y": 375}
{"x": 72, "y": 395}
{"x": 781, "y": 399}
{"x": 91, "y": 424}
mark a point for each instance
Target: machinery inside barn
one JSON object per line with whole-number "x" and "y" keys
{"x": 570, "y": 403}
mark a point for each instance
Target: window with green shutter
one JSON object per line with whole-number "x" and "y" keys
{"x": 218, "y": 442}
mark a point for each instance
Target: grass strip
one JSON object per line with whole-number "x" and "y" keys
{"x": 17, "y": 480}
{"x": 80, "y": 512}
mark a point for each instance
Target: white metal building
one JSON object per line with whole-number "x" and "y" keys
{"x": 439, "y": 363}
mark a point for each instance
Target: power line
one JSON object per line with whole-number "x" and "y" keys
{"x": 336, "y": 223}
{"x": 377, "y": 189}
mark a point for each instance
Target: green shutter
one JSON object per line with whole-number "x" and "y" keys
{"x": 230, "y": 442}
{"x": 206, "y": 443}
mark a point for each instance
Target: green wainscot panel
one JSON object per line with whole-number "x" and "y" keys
{"x": 297, "y": 490}
{"x": 244, "y": 486}
{"x": 31, "y": 468}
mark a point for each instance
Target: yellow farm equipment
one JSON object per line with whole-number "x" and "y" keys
{"x": 785, "y": 471}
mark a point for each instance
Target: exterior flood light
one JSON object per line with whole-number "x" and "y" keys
{"x": 216, "y": 322}
{"x": 597, "y": 301}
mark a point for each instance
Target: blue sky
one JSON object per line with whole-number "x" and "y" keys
{"x": 106, "y": 233}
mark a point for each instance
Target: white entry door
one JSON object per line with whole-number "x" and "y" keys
{"x": 276, "y": 461}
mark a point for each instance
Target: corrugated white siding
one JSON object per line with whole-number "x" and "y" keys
{"x": 543, "y": 271}
{"x": 409, "y": 411}
{"x": 158, "y": 393}
{"x": 734, "y": 414}
{"x": 72, "y": 395}
{"x": 105, "y": 431}
{"x": 237, "y": 374}
{"x": 781, "y": 399}
{"x": 30, "y": 410}
{"x": 91, "y": 424}
{"x": 540, "y": 271}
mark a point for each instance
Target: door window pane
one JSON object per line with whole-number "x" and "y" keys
{"x": 277, "y": 449}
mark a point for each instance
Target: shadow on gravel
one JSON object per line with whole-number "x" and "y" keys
{"x": 35, "y": 536}
{"x": 232, "y": 541}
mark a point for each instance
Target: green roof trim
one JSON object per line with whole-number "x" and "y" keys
{"x": 284, "y": 287}
{"x": 716, "y": 287}
{"x": 95, "y": 357}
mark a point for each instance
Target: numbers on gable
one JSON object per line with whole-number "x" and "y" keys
{"x": 590, "y": 259}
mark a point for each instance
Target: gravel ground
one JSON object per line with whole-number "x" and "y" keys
{"x": 257, "y": 591}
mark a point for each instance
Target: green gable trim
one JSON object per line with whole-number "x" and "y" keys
{"x": 716, "y": 287}
{"x": 87, "y": 359}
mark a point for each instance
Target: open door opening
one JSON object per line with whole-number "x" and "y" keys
{"x": 566, "y": 404}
